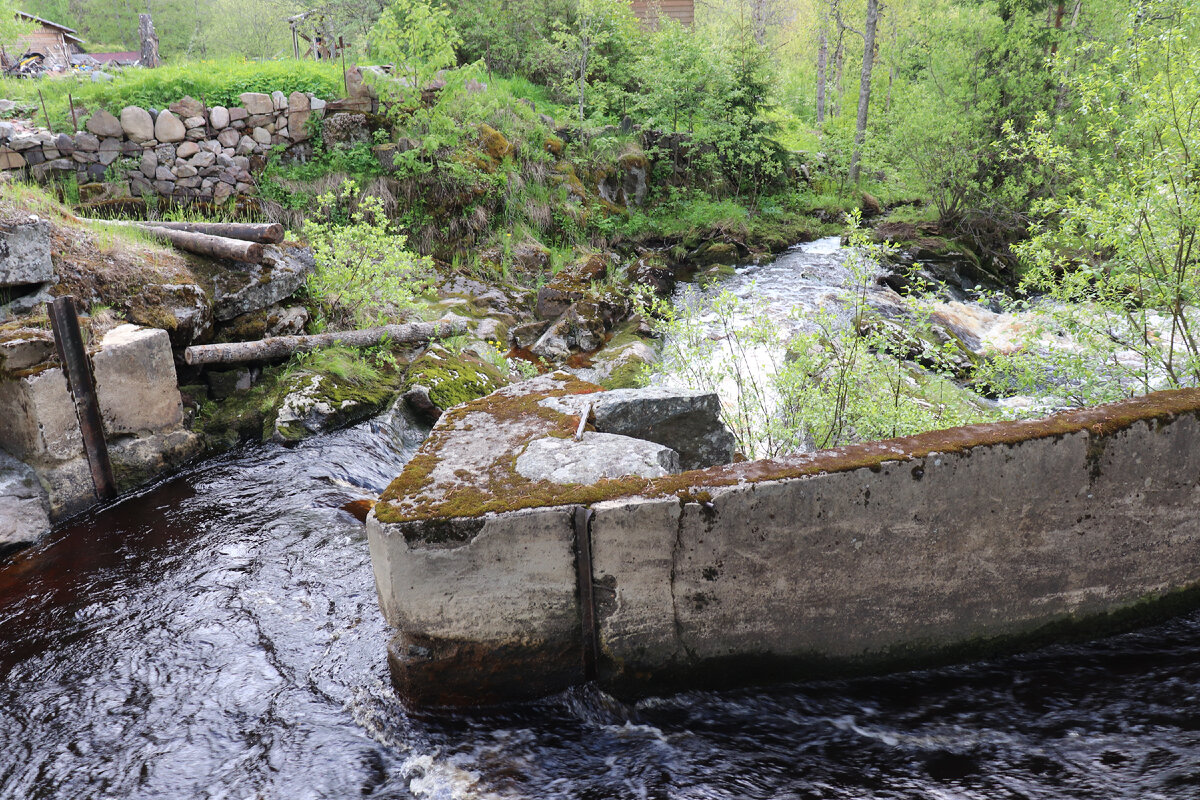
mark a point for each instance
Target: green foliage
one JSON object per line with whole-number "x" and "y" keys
{"x": 1117, "y": 251}
{"x": 364, "y": 275}
{"x": 419, "y": 39}
{"x": 12, "y": 26}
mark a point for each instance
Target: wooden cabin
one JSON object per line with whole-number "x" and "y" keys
{"x": 57, "y": 43}
{"x": 649, "y": 11}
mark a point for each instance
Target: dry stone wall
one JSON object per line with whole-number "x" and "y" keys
{"x": 187, "y": 151}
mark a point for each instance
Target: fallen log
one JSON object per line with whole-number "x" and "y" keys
{"x": 280, "y": 347}
{"x": 202, "y": 243}
{"x": 263, "y": 233}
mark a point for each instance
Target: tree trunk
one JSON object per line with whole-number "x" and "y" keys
{"x": 149, "y": 54}
{"x": 202, "y": 243}
{"x": 839, "y": 59}
{"x": 263, "y": 233}
{"x": 822, "y": 60}
{"x": 758, "y": 20}
{"x": 864, "y": 87}
{"x": 280, "y": 347}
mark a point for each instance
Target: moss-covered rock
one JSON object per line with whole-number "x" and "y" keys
{"x": 453, "y": 378}
{"x": 493, "y": 142}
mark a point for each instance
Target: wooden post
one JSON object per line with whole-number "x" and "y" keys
{"x": 64, "y": 321}
{"x": 345, "y": 78}
{"x": 44, "y": 114}
{"x": 74, "y": 120}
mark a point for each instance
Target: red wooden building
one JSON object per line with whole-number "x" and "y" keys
{"x": 648, "y": 11}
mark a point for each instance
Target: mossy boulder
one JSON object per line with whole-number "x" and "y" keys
{"x": 453, "y": 378}
{"x": 554, "y": 146}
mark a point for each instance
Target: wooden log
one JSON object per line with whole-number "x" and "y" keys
{"x": 263, "y": 233}
{"x": 202, "y": 243}
{"x": 280, "y": 347}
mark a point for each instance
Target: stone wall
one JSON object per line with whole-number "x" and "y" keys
{"x": 185, "y": 152}
{"x": 887, "y": 554}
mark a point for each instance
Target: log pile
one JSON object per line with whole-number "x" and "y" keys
{"x": 236, "y": 241}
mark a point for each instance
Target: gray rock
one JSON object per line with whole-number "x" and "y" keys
{"x": 595, "y": 456}
{"x": 86, "y": 142}
{"x": 24, "y": 505}
{"x": 282, "y": 272}
{"x": 255, "y": 103}
{"x": 187, "y": 107}
{"x": 25, "y": 253}
{"x": 103, "y": 123}
{"x": 168, "y": 128}
{"x": 228, "y": 137}
{"x": 238, "y": 114}
{"x": 187, "y": 150}
{"x": 100, "y": 77}
{"x": 149, "y": 164}
{"x": 137, "y": 123}
{"x": 687, "y": 421}
{"x": 218, "y": 117}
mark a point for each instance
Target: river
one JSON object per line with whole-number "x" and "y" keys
{"x": 218, "y": 636}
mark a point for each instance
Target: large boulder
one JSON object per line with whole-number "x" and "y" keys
{"x": 685, "y": 420}
{"x": 169, "y": 128}
{"x": 137, "y": 124}
{"x": 594, "y": 457}
{"x": 283, "y": 270}
{"x": 257, "y": 103}
{"x": 103, "y": 123}
{"x": 25, "y": 253}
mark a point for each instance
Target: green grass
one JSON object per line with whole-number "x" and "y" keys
{"x": 216, "y": 82}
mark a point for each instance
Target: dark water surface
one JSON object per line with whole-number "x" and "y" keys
{"x": 219, "y": 637}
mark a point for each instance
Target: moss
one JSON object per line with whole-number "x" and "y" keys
{"x": 629, "y": 374}
{"x": 494, "y": 143}
{"x": 503, "y": 489}
{"x": 554, "y": 146}
{"x": 453, "y": 379}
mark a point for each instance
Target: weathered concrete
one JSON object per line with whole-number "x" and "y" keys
{"x": 25, "y": 253}
{"x": 502, "y": 583}
{"x": 135, "y": 381}
{"x": 890, "y": 553}
{"x": 139, "y": 404}
{"x": 24, "y": 506}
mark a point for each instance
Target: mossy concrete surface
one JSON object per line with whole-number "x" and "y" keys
{"x": 902, "y": 552}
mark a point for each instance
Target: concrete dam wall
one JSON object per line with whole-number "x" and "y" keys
{"x": 886, "y": 554}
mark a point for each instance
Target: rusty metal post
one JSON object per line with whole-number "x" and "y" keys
{"x": 74, "y": 119}
{"x": 587, "y": 603}
{"x": 64, "y": 320}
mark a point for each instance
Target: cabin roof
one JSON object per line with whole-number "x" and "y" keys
{"x": 68, "y": 33}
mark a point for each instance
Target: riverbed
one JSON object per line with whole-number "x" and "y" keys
{"x": 218, "y": 636}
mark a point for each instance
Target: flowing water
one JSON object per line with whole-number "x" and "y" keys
{"x": 218, "y": 636}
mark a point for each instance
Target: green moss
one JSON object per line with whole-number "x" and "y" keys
{"x": 453, "y": 379}
{"x": 627, "y": 375}
{"x": 503, "y": 489}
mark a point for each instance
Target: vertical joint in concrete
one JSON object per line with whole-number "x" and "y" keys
{"x": 587, "y": 605}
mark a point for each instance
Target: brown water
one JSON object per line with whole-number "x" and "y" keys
{"x": 218, "y": 636}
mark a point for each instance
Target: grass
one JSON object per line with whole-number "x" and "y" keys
{"x": 217, "y": 82}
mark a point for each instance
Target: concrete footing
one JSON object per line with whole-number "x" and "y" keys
{"x": 889, "y": 554}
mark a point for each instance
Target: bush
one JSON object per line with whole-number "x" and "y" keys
{"x": 364, "y": 274}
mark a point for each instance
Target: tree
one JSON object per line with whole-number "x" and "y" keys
{"x": 874, "y": 7}
{"x": 594, "y": 46}
{"x": 419, "y": 39}
{"x": 12, "y": 27}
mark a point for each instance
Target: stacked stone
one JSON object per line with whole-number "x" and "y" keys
{"x": 185, "y": 151}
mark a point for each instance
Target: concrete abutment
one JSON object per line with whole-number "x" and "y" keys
{"x": 890, "y": 554}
